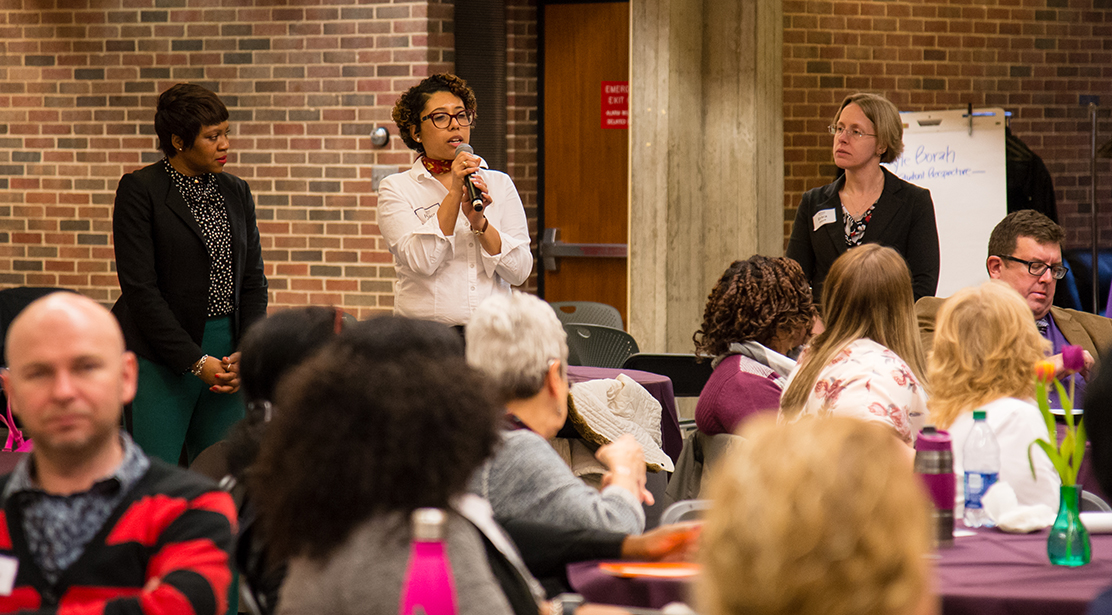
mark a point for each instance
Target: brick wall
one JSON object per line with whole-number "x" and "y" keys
{"x": 1031, "y": 57}
{"x": 521, "y": 110}
{"x": 305, "y": 83}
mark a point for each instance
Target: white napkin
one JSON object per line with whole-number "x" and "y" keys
{"x": 1002, "y": 507}
{"x": 1097, "y": 522}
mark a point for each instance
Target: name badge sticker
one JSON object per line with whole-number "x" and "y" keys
{"x": 824, "y": 217}
{"x": 9, "y": 566}
{"x": 425, "y": 213}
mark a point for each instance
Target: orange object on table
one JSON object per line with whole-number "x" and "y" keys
{"x": 655, "y": 570}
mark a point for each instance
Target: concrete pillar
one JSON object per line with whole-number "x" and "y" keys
{"x": 706, "y": 155}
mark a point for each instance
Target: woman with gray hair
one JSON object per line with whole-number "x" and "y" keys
{"x": 518, "y": 343}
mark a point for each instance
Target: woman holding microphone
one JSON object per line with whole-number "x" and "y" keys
{"x": 449, "y": 255}
{"x": 191, "y": 277}
{"x": 868, "y": 204}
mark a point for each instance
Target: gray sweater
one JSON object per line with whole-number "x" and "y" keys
{"x": 527, "y": 479}
{"x": 364, "y": 575}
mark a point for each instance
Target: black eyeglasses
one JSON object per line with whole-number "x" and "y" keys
{"x": 444, "y": 120}
{"x": 1037, "y": 268}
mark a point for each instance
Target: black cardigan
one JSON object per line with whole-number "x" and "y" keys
{"x": 903, "y": 220}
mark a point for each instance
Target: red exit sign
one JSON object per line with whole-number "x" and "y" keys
{"x": 615, "y": 104}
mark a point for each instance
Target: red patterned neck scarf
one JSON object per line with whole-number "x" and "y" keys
{"x": 436, "y": 167}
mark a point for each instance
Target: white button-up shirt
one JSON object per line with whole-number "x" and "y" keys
{"x": 444, "y": 278}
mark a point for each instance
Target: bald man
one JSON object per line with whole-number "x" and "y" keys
{"x": 88, "y": 521}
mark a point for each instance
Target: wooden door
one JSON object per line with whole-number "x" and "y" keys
{"x": 585, "y": 166}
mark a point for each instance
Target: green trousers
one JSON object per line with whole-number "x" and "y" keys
{"x": 171, "y": 409}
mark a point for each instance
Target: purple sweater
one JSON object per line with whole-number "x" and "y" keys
{"x": 738, "y": 388}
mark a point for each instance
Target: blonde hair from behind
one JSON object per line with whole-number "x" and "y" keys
{"x": 867, "y": 294}
{"x": 985, "y": 348}
{"x": 817, "y": 516}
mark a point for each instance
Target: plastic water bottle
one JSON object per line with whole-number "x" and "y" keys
{"x": 428, "y": 588}
{"x": 981, "y": 461}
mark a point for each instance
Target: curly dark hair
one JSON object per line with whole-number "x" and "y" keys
{"x": 183, "y": 110}
{"x": 408, "y": 108}
{"x": 363, "y": 433}
{"x": 754, "y": 300}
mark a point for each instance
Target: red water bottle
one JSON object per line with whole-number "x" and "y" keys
{"x": 428, "y": 588}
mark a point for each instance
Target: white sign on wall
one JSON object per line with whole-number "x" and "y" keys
{"x": 966, "y": 174}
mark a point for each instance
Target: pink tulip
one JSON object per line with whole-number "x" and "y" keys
{"x": 1073, "y": 359}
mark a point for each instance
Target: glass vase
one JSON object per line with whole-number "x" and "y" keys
{"x": 1068, "y": 544}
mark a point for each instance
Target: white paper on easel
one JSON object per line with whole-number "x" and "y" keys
{"x": 966, "y": 175}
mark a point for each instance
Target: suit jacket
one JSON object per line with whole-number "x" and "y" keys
{"x": 163, "y": 266}
{"x": 903, "y": 220}
{"x": 1091, "y": 332}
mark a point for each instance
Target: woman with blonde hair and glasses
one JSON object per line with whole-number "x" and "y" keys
{"x": 868, "y": 363}
{"x": 985, "y": 350}
{"x": 868, "y": 204}
{"x": 816, "y": 517}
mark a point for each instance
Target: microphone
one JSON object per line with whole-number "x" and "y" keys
{"x": 473, "y": 193}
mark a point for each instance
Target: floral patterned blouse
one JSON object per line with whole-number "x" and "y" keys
{"x": 867, "y": 381}
{"x": 855, "y": 227}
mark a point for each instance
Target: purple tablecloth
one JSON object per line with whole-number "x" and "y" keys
{"x": 659, "y": 386}
{"x": 994, "y": 572}
{"x": 987, "y": 574}
{"x": 597, "y": 586}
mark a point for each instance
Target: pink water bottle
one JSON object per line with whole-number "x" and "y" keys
{"x": 428, "y": 588}
{"x": 934, "y": 463}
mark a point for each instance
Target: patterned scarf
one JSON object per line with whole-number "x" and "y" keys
{"x": 436, "y": 167}
{"x": 771, "y": 359}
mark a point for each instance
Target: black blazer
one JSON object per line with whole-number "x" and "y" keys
{"x": 903, "y": 220}
{"x": 163, "y": 266}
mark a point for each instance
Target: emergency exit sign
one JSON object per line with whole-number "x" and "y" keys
{"x": 615, "y": 104}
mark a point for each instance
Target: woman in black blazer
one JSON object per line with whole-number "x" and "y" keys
{"x": 868, "y": 204}
{"x": 191, "y": 277}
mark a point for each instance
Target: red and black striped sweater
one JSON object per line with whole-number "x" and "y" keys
{"x": 164, "y": 550}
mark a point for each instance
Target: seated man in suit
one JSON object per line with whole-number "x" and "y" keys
{"x": 88, "y": 522}
{"x": 1025, "y": 251}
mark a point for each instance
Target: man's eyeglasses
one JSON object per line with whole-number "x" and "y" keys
{"x": 444, "y": 120}
{"x": 1037, "y": 268}
{"x": 856, "y": 134}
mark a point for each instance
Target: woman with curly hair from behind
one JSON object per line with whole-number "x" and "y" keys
{"x": 756, "y": 319}
{"x": 448, "y": 254}
{"x": 369, "y": 431}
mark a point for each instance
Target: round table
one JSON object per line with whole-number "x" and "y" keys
{"x": 989, "y": 573}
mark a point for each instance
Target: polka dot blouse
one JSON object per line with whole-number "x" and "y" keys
{"x": 207, "y": 205}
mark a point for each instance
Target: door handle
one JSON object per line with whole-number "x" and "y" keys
{"x": 552, "y": 248}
